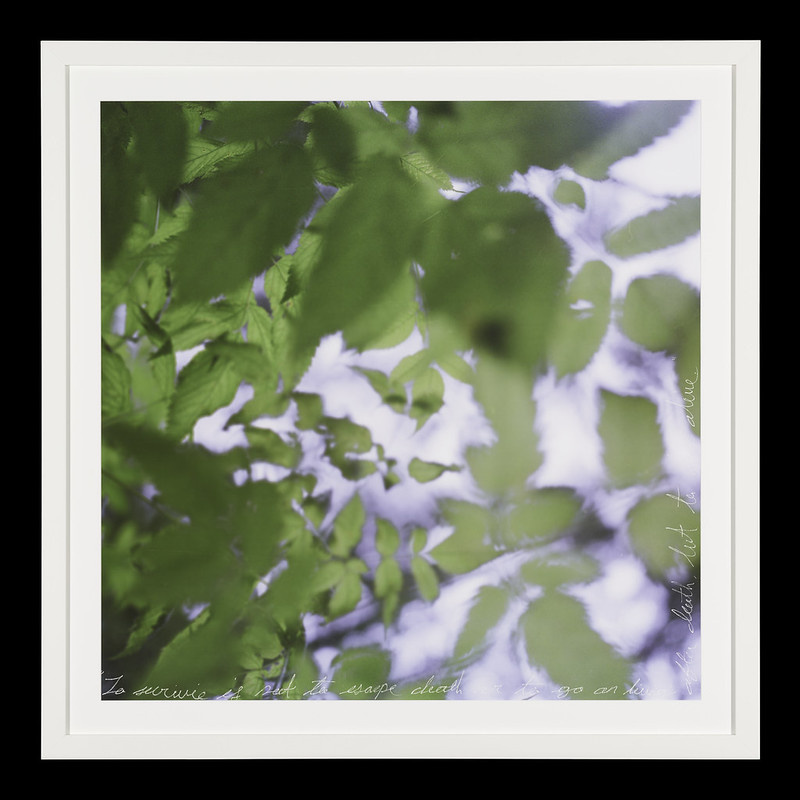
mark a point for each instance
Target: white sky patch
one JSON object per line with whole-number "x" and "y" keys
{"x": 624, "y": 606}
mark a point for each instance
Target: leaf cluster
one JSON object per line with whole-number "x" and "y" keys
{"x": 235, "y": 237}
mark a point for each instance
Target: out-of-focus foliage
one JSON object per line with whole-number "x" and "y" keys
{"x": 235, "y": 237}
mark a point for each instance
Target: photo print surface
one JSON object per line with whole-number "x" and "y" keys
{"x": 401, "y": 400}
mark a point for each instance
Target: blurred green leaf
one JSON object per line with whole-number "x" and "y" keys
{"x": 582, "y": 319}
{"x": 411, "y": 367}
{"x": 160, "y": 138}
{"x": 115, "y": 384}
{"x": 348, "y": 527}
{"x": 309, "y": 410}
{"x": 240, "y": 221}
{"x": 419, "y": 167}
{"x": 419, "y": 538}
{"x": 387, "y": 538}
{"x": 456, "y": 367}
{"x": 467, "y": 547}
{"x": 268, "y": 446}
{"x": 207, "y": 383}
{"x": 119, "y": 180}
{"x": 543, "y": 515}
{"x": 632, "y": 443}
{"x": 559, "y": 639}
{"x": 205, "y": 157}
{"x": 426, "y": 471}
{"x": 328, "y": 575}
{"x": 659, "y": 312}
{"x": 191, "y": 324}
{"x": 361, "y": 284}
{"x": 488, "y": 608}
{"x": 189, "y": 479}
{"x": 665, "y": 533}
{"x": 392, "y": 393}
{"x": 560, "y": 570}
{"x": 658, "y": 229}
{"x": 505, "y": 394}
{"x": 487, "y": 141}
{"x": 361, "y": 674}
{"x": 346, "y": 594}
{"x": 427, "y": 396}
{"x": 425, "y": 578}
{"x": 569, "y": 193}
{"x": 388, "y": 578}
{"x": 334, "y": 144}
{"x": 245, "y": 121}
{"x": 493, "y": 265}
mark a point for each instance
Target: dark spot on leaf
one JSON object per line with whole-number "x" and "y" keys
{"x": 493, "y": 335}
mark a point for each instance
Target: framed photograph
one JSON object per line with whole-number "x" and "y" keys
{"x": 400, "y": 400}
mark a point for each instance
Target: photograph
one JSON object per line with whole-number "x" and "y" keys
{"x": 397, "y": 398}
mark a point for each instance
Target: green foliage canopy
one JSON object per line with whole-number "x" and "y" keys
{"x": 236, "y": 236}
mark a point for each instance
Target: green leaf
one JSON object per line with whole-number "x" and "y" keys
{"x": 205, "y": 157}
{"x": 240, "y": 221}
{"x": 487, "y": 141}
{"x": 267, "y": 445}
{"x": 328, "y": 576}
{"x": 489, "y": 607}
{"x": 160, "y": 137}
{"x": 291, "y": 593}
{"x": 115, "y": 384}
{"x": 582, "y": 319}
{"x": 664, "y": 531}
{"x": 361, "y": 284}
{"x": 207, "y": 383}
{"x": 455, "y": 366}
{"x": 426, "y": 471}
{"x": 492, "y": 266}
{"x": 427, "y": 396}
{"x": 334, "y": 145}
{"x": 569, "y": 193}
{"x": 190, "y": 324}
{"x": 425, "y": 578}
{"x": 392, "y": 393}
{"x": 544, "y": 515}
{"x": 387, "y": 538}
{"x": 119, "y": 180}
{"x": 419, "y": 538}
{"x": 246, "y": 121}
{"x": 505, "y": 394}
{"x": 185, "y": 565}
{"x": 189, "y": 479}
{"x": 558, "y": 638}
{"x": 347, "y": 436}
{"x": 467, "y": 547}
{"x": 388, "y": 578}
{"x": 207, "y": 659}
{"x": 420, "y": 168}
{"x": 142, "y": 630}
{"x": 559, "y": 570}
{"x": 309, "y": 410}
{"x": 346, "y": 595}
{"x": 348, "y": 527}
{"x": 632, "y": 444}
{"x": 660, "y": 313}
{"x": 411, "y": 367}
{"x": 362, "y": 674}
{"x": 657, "y": 230}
